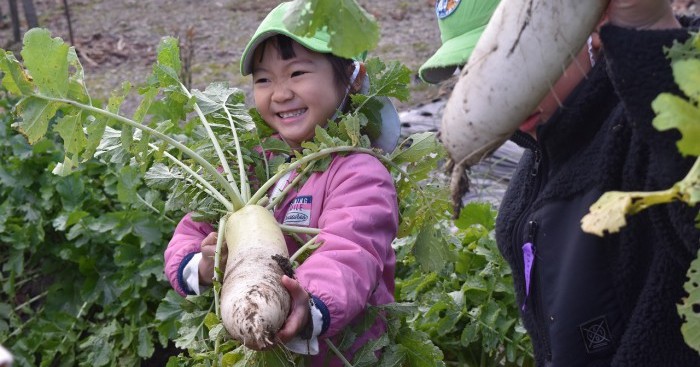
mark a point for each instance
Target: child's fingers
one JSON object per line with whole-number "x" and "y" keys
{"x": 210, "y": 239}
{"x": 298, "y": 314}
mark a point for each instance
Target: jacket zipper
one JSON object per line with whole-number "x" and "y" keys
{"x": 535, "y": 297}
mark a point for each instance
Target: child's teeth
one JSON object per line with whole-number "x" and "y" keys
{"x": 292, "y": 114}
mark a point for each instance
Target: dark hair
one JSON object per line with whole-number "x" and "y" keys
{"x": 283, "y": 44}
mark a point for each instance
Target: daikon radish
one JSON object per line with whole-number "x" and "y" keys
{"x": 524, "y": 49}
{"x": 254, "y": 303}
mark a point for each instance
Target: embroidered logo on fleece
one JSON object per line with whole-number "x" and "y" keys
{"x": 299, "y": 212}
{"x": 596, "y": 335}
{"x": 443, "y": 8}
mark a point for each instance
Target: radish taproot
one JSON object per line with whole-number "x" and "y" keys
{"x": 254, "y": 303}
{"x": 524, "y": 49}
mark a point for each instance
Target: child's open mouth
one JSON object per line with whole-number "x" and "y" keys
{"x": 290, "y": 114}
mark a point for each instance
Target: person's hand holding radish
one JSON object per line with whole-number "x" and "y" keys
{"x": 298, "y": 318}
{"x": 206, "y": 265}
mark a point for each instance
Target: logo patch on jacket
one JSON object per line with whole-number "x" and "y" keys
{"x": 596, "y": 335}
{"x": 299, "y": 212}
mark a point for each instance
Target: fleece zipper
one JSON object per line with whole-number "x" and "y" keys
{"x": 526, "y": 225}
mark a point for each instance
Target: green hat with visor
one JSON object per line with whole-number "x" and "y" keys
{"x": 461, "y": 24}
{"x": 273, "y": 24}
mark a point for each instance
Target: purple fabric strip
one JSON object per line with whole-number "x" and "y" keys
{"x": 528, "y": 259}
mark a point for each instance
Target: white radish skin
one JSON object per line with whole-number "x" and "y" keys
{"x": 254, "y": 303}
{"x": 524, "y": 49}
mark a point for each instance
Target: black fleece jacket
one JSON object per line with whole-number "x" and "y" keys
{"x": 607, "y": 301}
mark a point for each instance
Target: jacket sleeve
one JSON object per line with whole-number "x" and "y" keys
{"x": 358, "y": 223}
{"x": 186, "y": 242}
{"x": 640, "y": 71}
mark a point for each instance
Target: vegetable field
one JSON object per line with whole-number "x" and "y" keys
{"x": 88, "y": 291}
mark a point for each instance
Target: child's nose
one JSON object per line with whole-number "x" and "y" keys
{"x": 282, "y": 92}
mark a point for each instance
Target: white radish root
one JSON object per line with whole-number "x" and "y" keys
{"x": 524, "y": 49}
{"x": 254, "y": 303}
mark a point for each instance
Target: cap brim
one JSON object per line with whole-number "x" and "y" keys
{"x": 451, "y": 55}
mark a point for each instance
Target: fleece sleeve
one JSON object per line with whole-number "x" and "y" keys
{"x": 358, "y": 224}
{"x": 185, "y": 243}
{"x": 640, "y": 71}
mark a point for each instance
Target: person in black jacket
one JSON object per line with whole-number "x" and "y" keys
{"x": 610, "y": 301}
{"x": 603, "y": 301}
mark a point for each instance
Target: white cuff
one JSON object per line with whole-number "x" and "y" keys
{"x": 5, "y": 357}
{"x": 190, "y": 274}
{"x": 310, "y": 347}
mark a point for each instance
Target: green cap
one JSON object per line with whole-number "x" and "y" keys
{"x": 272, "y": 25}
{"x": 461, "y": 24}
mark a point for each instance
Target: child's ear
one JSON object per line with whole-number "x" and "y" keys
{"x": 356, "y": 84}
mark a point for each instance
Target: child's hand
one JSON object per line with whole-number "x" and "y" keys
{"x": 206, "y": 265}
{"x": 299, "y": 314}
{"x": 642, "y": 14}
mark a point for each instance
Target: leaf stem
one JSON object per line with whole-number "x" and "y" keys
{"x": 231, "y": 190}
{"x": 213, "y": 191}
{"x": 310, "y": 245}
{"x": 644, "y": 200}
{"x": 217, "y": 264}
{"x": 149, "y": 206}
{"x": 31, "y": 300}
{"x": 28, "y": 276}
{"x": 302, "y": 230}
{"x": 335, "y": 351}
{"x": 77, "y": 317}
{"x": 215, "y": 142}
{"x": 311, "y": 157}
{"x": 289, "y": 187}
{"x": 245, "y": 186}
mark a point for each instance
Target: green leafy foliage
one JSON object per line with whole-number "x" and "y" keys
{"x": 467, "y": 308}
{"x": 341, "y": 18}
{"x": 82, "y": 271}
{"x": 688, "y": 308}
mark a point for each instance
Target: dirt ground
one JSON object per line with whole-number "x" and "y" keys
{"x": 118, "y": 38}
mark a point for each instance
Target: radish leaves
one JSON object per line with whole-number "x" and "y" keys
{"x": 343, "y": 18}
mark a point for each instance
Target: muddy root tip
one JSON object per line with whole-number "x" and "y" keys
{"x": 284, "y": 264}
{"x": 459, "y": 185}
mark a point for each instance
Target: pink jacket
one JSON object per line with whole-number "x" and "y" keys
{"x": 354, "y": 204}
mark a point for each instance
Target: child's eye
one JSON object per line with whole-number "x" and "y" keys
{"x": 298, "y": 73}
{"x": 261, "y": 80}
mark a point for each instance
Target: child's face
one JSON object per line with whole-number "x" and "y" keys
{"x": 294, "y": 95}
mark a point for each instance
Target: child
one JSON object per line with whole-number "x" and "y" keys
{"x": 610, "y": 301}
{"x": 297, "y": 85}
